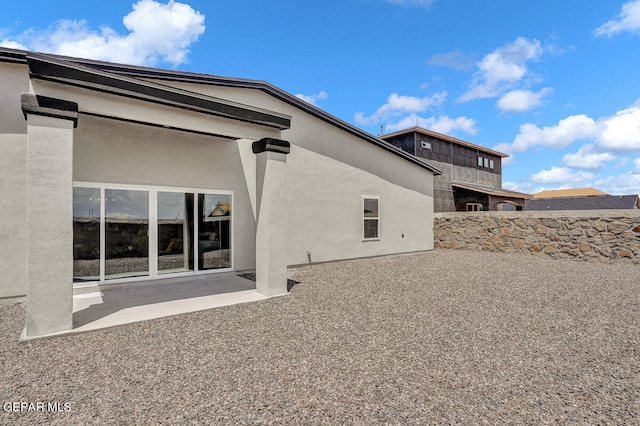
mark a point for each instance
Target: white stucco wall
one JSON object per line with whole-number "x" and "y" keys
{"x": 13, "y": 164}
{"x": 109, "y": 151}
{"x": 328, "y": 172}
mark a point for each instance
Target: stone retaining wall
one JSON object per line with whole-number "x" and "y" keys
{"x": 605, "y": 236}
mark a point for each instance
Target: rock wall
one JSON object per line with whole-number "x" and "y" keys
{"x": 605, "y": 236}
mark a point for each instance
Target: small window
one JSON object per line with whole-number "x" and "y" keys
{"x": 371, "y": 218}
{"x": 486, "y": 163}
{"x": 491, "y": 164}
{"x": 426, "y": 145}
{"x": 480, "y": 162}
{"x": 474, "y": 207}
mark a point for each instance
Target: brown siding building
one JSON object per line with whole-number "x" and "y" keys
{"x": 471, "y": 177}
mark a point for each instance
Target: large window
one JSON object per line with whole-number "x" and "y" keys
{"x": 371, "y": 218}
{"x": 175, "y": 232}
{"x": 126, "y": 232}
{"x": 214, "y": 231}
{"x": 86, "y": 234}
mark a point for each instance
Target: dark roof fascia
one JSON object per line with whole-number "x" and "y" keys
{"x": 156, "y": 73}
{"x": 50, "y": 69}
{"x": 490, "y": 190}
{"x": 14, "y": 56}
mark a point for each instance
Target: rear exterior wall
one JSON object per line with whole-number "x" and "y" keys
{"x": 13, "y": 182}
{"x": 328, "y": 172}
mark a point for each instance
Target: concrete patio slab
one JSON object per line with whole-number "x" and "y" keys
{"x": 96, "y": 307}
{"x": 134, "y": 302}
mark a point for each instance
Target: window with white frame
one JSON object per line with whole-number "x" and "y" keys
{"x": 474, "y": 207}
{"x": 122, "y": 231}
{"x": 371, "y": 217}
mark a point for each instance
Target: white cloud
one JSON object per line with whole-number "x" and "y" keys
{"x": 627, "y": 20}
{"x": 636, "y": 162}
{"x": 502, "y": 69}
{"x": 522, "y": 100}
{"x": 398, "y": 105}
{"x": 625, "y": 184}
{"x": 560, "y": 175}
{"x": 622, "y": 131}
{"x": 456, "y": 60}
{"x": 11, "y": 44}
{"x": 618, "y": 133}
{"x": 442, "y": 124}
{"x": 157, "y": 33}
{"x": 567, "y": 131}
{"x": 312, "y": 99}
{"x": 587, "y": 158}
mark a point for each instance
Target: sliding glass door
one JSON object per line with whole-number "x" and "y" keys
{"x": 146, "y": 232}
{"x": 175, "y": 232}
{"x": 86, "y": 234}
{"x": 214, "y": 231}
{"x": 126, "y": 233}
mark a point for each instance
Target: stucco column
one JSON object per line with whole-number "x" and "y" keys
{"x": 271, "y": 207}
{"x": 50, "y": 124}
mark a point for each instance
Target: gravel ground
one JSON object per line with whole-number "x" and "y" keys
{"x": 447, "y": 337}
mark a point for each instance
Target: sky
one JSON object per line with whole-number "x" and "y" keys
{"x": 554, "y": 84}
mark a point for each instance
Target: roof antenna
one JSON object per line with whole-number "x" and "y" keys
{"x": 381, "y": 129}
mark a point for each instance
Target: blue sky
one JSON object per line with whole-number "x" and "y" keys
{"x": 555, "y": 84}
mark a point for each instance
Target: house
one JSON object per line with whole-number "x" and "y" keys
{"x": 581, "y": 199}
{"x": 114, "y": 173}
{"x": 471, "y": 178}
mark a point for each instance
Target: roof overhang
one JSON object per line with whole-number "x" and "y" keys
{"x": 141, "y": 75}
{"x": 490, "y": 190}
{"x": 44, "y": 67}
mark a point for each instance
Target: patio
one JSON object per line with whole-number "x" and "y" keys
{"x": 117, "y": 304}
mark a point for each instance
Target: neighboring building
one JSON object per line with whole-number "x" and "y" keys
{"x": 581, "y": 199}
{"x": 113, "y": 173}
{"x": 471, "y": 178}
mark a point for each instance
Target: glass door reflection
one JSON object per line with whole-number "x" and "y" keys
{"x": 86, "y": 234}
{"x": 175, "y": 232}
{"x": 126, "y": 233}
{"x": 214, "y": 231}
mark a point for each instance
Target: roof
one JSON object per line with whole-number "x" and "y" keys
{"x": 598, "y": 202}
{"x": 490, "y": 190}
{"x": 431, "y": 133}
{"x": 134, "y": 79}
{"x": 576, "y": 192}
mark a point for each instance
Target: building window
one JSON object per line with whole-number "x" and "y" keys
{"x": 371, "y": 218}
{"x": 426, "y": 145}
{"x": 474, "y": 207}
{"x": 124, "y": 232}
{"x": 485, "y": 162}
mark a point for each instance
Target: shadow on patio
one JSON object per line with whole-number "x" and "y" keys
{"x": 132, "y": 302}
